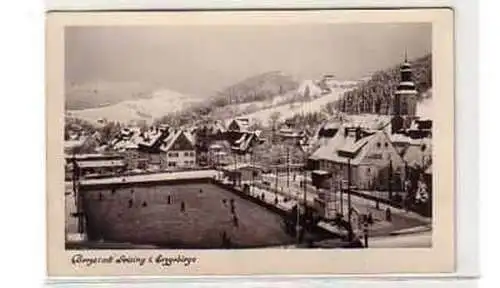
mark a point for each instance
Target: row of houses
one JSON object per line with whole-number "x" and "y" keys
{"x": 169, "y": 148}
{"x": 158, "y": 148}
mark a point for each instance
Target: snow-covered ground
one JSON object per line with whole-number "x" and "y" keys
{"x": 152, "y": 177}
{"x": 161, "y": 103}
{"x": 289, "y": 110}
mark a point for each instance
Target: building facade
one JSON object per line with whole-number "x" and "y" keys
{"x": 373, "y": 160}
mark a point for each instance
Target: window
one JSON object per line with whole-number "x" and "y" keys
{"x": 386, "y": 145}
{"x": 171, "y": 164}
{"x": 378, "y": 144}
{"x": 191, "y": 154}
{"x": 186, "y": 154}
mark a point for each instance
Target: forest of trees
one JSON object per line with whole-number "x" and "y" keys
{"x": 374, "y": 96}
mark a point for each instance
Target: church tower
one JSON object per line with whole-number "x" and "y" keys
{"x": 404, "y": 105}
{"x": 406, "y": 93}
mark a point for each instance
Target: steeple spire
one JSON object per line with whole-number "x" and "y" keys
{"x": 406, "y": 54}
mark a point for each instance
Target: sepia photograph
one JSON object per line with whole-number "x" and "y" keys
{"x": 310, "y": 136}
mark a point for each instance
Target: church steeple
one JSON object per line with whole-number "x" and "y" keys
{"x": 404, "y": 96}
{"x": 404, "y": 104}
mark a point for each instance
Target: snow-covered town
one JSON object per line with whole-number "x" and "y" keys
{"x": 323, "y": 163}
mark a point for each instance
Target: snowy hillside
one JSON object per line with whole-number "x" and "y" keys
{"x": 102, "y": 93}
{"x": 161, "y": 102}
{"x": 308, "y": 98}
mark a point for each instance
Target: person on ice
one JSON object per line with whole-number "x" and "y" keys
{"x": 183, "y": 206}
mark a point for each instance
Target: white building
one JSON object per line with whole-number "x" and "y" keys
{"x": 168, "y": 148}
{"x": 371, "y": 156}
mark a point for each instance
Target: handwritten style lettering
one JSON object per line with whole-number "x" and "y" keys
{"x": 180, "y": 259}
{"x": 80, "y": 259}
{"x": 123, "y": 259}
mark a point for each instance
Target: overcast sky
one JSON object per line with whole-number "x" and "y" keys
{"x": 201, "y": 60}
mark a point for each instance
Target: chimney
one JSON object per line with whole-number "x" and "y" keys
{"x": 358, "y": 133}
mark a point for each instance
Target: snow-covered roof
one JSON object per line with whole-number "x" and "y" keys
{"x": 70, "y": 144}
{"x": 344, "y": 146}
{"x": 368, "y": 121}
{"x": 169, "y": 141}
{"x": 400, "y": 138}
{"x": 190, "y": 137}
{"x": 244, "y": 142}
{"x": 428, "y": 170}
{"x": 150, "y": 137}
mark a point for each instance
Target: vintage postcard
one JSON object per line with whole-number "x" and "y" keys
{"x": 250, "y": 142}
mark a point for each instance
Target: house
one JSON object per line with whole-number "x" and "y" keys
{"x": 101, "y": 167}
{"x": 149, "y": 145}
{"x": 329, "y": 129}
{"x": 246, "y": 141}
{"x": 72, "y": 146}
{"x": 243, "y": 173}
{"x": 81, "y": 143}
{"x": 178, "y": 151}
{"x": 239, "y": 125}
{"x": 94, "y": 164}
{"x": 168, "y": 148}
{"x": 127, "y": 143}
{"x": 218, "y": 153}
{"x": 418, "y": 153}
{"x": 372, "y": 158}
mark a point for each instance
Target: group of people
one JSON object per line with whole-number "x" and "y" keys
{"x": 145, "y": 203}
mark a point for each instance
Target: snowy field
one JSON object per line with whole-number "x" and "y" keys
{"x": 143, "y": 215}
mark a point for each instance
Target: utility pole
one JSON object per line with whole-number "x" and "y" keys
{"x": 365, "y": 230}
{"x": 287, "y": 166}
{"x": 349, "y": 212}
{"x": 253, "y": 172}
{"x": 297, "y": 223}
{"x": 78, "y": 196}
{"x": 276, "y": 181}
{"x": 390, "y": 179}
{"x": 341, "y": 198}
